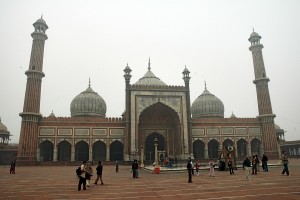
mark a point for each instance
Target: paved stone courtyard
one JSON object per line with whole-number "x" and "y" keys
{"x": 53, "y": 182}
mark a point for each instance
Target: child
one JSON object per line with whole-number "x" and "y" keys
{"x": 211, "y": 168}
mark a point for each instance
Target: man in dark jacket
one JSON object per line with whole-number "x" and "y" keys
{"x": 246, "y": 167}
{"x": 264, "y": 163}
{"x": 135, "y": 169}
{"x": 99, "y": 170}
{"x": 189, "y": 168}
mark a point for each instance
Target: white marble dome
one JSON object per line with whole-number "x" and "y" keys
{"x": 88, "y": 104}
{"x": 207, "y": 105}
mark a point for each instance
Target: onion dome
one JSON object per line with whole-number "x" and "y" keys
{"x": 88, "y": 104}
{"x": 149, "y": 78}
{"x": 207, "y": 105}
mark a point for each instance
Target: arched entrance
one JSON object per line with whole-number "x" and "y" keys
{"x": 64, "y": 151}
{"x": 198, "y": 148}
{"x": 163, "y": 122}
{"x": 46, "y": 151}
{"x": 227, "y": 143}
{"x": 116, "y": 151}
{"x": 255, "y": 146}
{"x": 99, "y": 151}
{"x": 150, "y": 149}
{"x": 242, "y": 148}
{"x": 81, "y": 151}
{"x": 213, "y": 149}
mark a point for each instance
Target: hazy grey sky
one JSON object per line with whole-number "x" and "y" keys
{"x": 96, "y": 39}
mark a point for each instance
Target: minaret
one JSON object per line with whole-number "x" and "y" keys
{"x": 28, "y": 142}
{"x": 127, "y": 77}
{"x": 186, "y": 78}
{"x": 266, "y": 115}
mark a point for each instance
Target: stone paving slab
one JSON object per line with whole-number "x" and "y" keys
{"x": 60, "y": 182}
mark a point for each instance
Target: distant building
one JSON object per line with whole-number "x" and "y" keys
{"x": 8, "y": 152}
{"x": 153, "y": 110}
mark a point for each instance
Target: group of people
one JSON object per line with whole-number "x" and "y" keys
{"x": 190, "y": 167}
{"x": 85, "y": 174}
{"x": 248, "y": 165}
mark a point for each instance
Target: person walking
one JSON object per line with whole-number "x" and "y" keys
{"x": 12, "y": 169}
{"x": 257, "y": 163}
{"x": 88, "y": 174}
{"x": 211, "y": 168}
{"x": 285, "y": 162}
{"x": 230, "y": 166}
{"x": 189, "y": 168}
{"x": 246, "y": 167}
{"x": 117, "y": 166}
{"x": 197, "y": 166}
{"x": 135, "y": 169}
{"x": 254, "y": 165}
{"x": 81, "y": 177}
{"x": 99, "y": 170}
{"x": 192, "y": 167}
{"x": 264, "y": 163}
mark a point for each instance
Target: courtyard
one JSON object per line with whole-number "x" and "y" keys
{"x": 60, "y": 182}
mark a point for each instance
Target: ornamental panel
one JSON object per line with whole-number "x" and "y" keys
{"x": 99, "y": 132}
{"x": 254, "y": 130}
{"x": 213, "y": 131}
{"x": 227, "y": 131}
{"x": 117, "y": 132}
{"x": 65, "y": 131}
{"x": 241, "y": 131}
{"x": 198, "y": 132}
{"x": 47, "y": 131}
{"x": 82, "y": 131}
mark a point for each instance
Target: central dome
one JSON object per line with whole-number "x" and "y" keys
{"x": 88, "y": 104}
{"x": 149, "y": 78}
{"x": 207, "y": 105}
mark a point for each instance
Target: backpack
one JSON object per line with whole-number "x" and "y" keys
{"x": 78, "y": 171}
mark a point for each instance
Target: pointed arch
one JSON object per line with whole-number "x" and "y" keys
{"x": 99, "y": 151}
{"x": 64, "y": 151}
{"x": 46, "y": 151}
{"x": 150, "y": 149}
{"x": 255, "y": 146}
{"x": 227, "y": 143}
{"x": 213, "y": 148}
{"x": 81, "y": 151}
{"x": 164, "y": 122}
{"x": 198, "y": 149}
{"x": 242, "y": 146}
{"x": 116, "y": 151}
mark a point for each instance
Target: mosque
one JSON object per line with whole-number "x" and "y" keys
{"x": 154, "y": 110}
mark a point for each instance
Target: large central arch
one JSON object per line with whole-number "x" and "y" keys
{"x": 161, "y": 121}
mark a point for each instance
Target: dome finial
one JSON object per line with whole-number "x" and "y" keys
{"x": 205, "y": 85}
{"x": 89, "y": 82}
{"x": 252, "y": 28}
{"x": 149, "y": 68}
{"x": 42, "y": 16}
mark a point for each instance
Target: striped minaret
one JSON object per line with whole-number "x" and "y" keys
{"x": 266, "y": 115}
{"x": 28, "y": 142}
